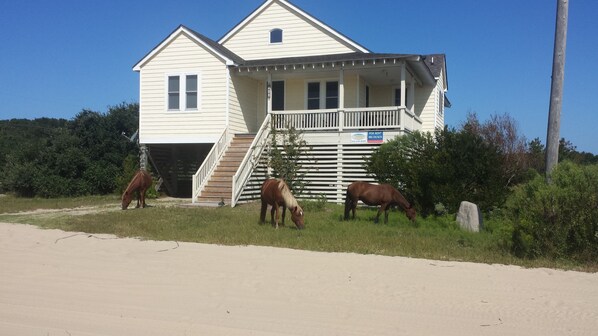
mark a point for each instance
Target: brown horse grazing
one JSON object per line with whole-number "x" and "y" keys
{"x": 384, "y": 195}
{"x": 140, "y": 183}
{"x": 276, "y": 193}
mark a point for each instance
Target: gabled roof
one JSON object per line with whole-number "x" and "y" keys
{"x": 437, "y": 63}
{"x": 223, "y": 53}
{"x": 301, "y": 13}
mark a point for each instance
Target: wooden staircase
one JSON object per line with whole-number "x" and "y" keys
{"x": 219, "y": 186}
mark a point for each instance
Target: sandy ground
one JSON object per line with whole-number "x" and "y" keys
{"x": 62, "y": 283}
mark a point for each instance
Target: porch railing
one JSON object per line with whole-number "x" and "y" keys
{"x": 209, "y": 164}
{"x": 392, "y": 117}
{"x": 260, "y": 142}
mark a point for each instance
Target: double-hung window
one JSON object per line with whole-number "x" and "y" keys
{"x": 183, "y": 92}
{"x": 313, "y": 96}
{"x": 174, "y": 92}
{"x": 322, "y": 95}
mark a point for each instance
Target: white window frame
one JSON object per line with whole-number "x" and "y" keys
{"x": 270, "y": 35}
{"x": 406, "y": 103}
{"x": 183, "y": 91}
{"x": 322, "y": 97}
{"x": 440, "y": 102}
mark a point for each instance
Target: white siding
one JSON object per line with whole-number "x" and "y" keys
{"x": 351, "y": 88}
{"x": 300, "y": 37}
{"x": 156, "y": 124}
{"x": 428, "y": 104}
{"x": 244, "y": 105}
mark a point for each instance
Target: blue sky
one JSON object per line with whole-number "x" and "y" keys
{"x": 59, "y": 57}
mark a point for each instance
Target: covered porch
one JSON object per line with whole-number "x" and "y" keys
{"x": 356, "y": 91}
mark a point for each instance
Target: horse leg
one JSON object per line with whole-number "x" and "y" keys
{"x": 386, "y": 214}
{"x": 277, "y": 215}
{"x": 263, "y": 212}
{"x": 284, "y": 211}
{"x": 347, "y": 206}
{"x": 274, "y": 208}
{"x": 354, "y": 207}
{"x": 142, "y": 195}
{"x": 378, "y": 214}
{"x": 138, "y": 197}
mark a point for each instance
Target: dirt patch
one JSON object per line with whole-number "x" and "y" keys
{"x": 86, "y": 210}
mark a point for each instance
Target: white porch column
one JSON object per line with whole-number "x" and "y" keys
{"x": 341, "y": 123}
{"x": 269, "y": 93}
{"x": 411, "y": 98}
{"x": 403, "y": 84}
{"x": 341, "y": 99}
{"x": 402, "y": 115}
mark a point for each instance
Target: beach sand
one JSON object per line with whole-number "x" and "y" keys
{"x": 64, "y": 283}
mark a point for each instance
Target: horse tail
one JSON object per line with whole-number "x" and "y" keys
{"x": 348, "y": 203}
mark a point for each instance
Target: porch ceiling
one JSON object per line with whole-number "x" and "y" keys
{"x": 377, "y": 69}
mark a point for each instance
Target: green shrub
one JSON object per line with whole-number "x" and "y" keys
{"x": 556, "y": 220}
{"x": 287, "y": 152}
{"x": 451, "y": 167}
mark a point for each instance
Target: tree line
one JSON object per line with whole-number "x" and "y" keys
{"x": 90, "y": 154}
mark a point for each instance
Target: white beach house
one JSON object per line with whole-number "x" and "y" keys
{"x": 206, "y": 106}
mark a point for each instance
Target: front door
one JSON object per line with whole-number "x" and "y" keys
{"x": 277, "y": 95}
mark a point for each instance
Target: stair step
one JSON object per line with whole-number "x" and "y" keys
{"x": 213, "y": 201}
{"x": 217, "y": 189}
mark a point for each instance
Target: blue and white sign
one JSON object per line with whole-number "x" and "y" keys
{"x": 375, "y": 137}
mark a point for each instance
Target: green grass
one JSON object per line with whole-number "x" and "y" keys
{"x": 432, "y": 238}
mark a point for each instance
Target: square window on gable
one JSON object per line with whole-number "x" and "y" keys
{"x": 276, "y": 35}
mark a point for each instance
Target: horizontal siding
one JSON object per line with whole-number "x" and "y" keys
{"x": 300, "y": 37}
{"x": 351, "y": 91}
{"x": 425, "y": 107}
{"x": 243, "y": 105}
{"x": 157, "y": 125}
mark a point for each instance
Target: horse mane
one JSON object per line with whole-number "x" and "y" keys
{"x": 289, "y": 199}
{"x": 400, "y": 199}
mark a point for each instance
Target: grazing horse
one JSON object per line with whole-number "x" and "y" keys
{"x": 140, "y": 183}
{"x": 276, "y": 193}
{"x": 383, "y": 195}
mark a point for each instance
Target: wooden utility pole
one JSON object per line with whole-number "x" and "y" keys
{"x": 556, "y": 88}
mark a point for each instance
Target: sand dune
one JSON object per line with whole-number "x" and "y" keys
{"x": 62, "y": 283}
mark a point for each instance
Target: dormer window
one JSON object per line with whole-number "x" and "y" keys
{"x": 276, "y": 35}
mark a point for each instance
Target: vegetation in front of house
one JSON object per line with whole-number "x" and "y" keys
{"x": 65, "y": 158}
{"x": 490, "y": 165}
{"x": 286, "y": 151}
{"x": 557, "y": 220}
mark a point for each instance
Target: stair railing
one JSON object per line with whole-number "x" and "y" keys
{"x": 200, "y": 178}
{"x": 251, "y": 159}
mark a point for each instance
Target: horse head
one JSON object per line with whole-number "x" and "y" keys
{"x": 411, "y": 213}
{"x": 297, "y": 217}
{"x": 126, "y": 200}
